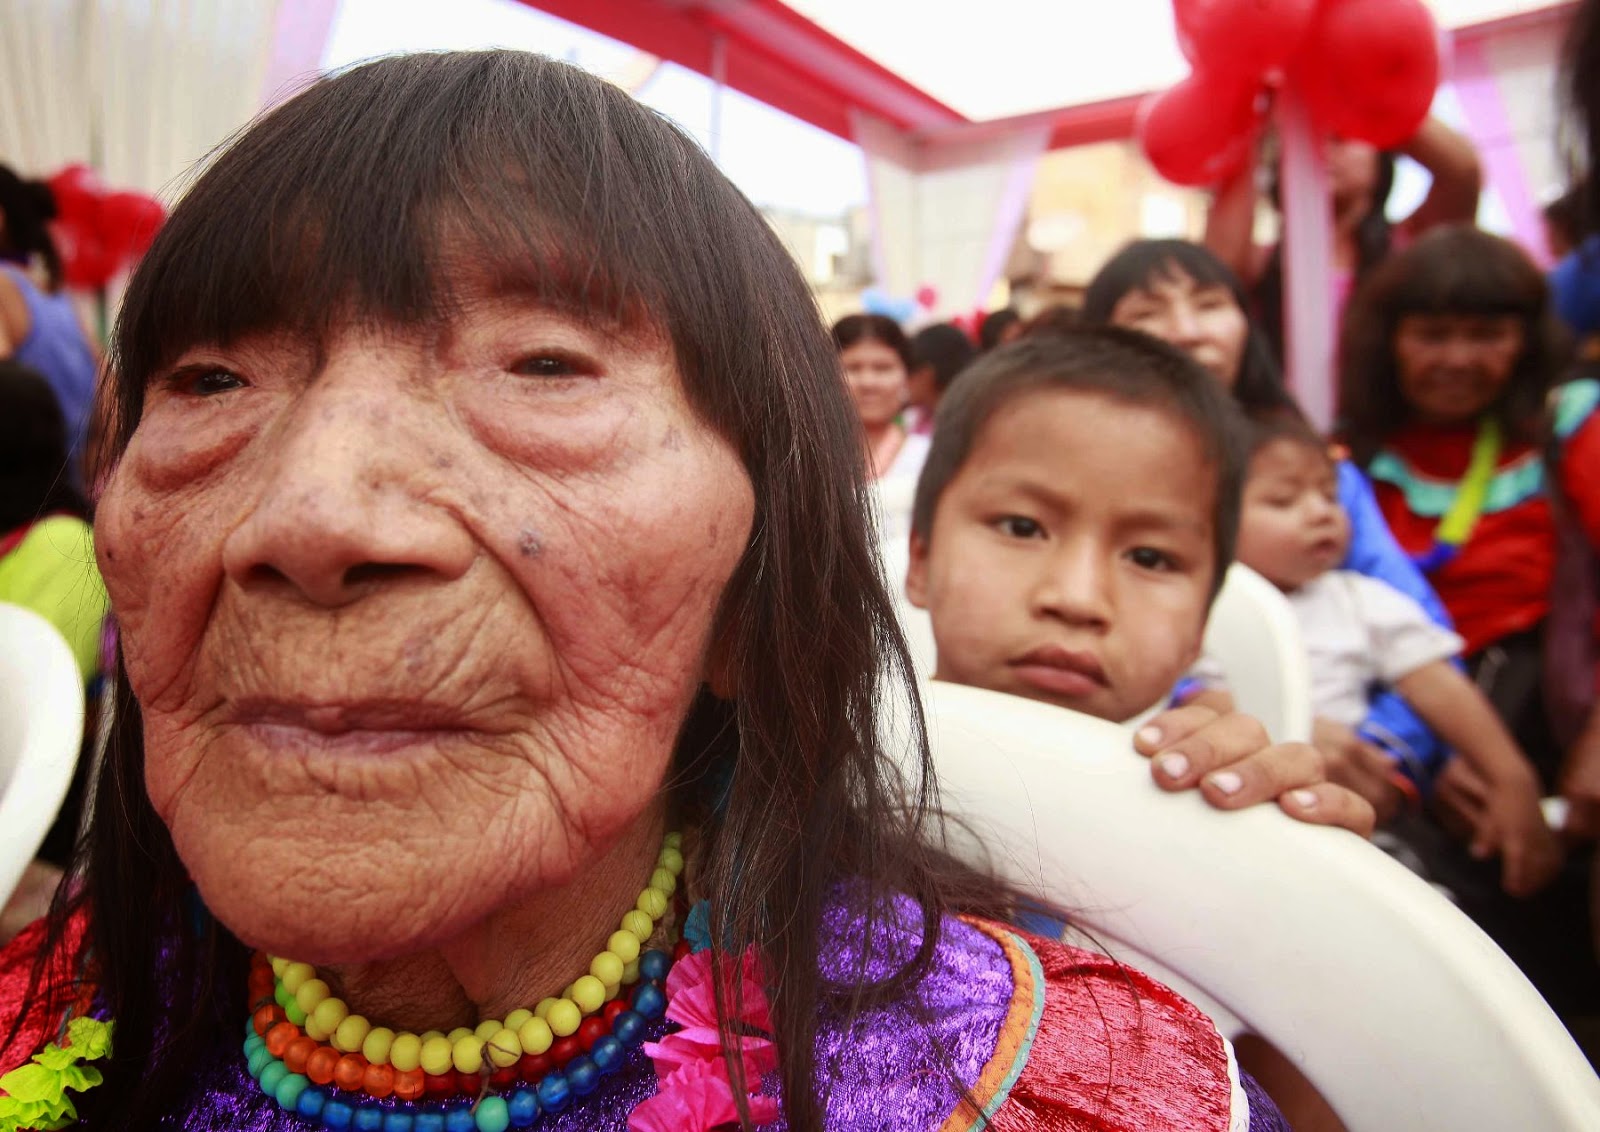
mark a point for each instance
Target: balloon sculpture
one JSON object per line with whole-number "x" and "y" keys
{"x": 1367, "y": 70}
{"x": 98, "y": 233}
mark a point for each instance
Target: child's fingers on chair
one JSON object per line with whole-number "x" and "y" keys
{"x": 1260, "y": 775}
{"x": 1172, "y": 726}
{"x": 1328, "y": 803}
{"x": 1220, "y": 746}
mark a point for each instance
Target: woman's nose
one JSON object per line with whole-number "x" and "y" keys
{"x": 343, "y": 502}
{"x": 1182, "y": 324}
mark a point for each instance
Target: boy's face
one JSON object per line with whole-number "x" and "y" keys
{"x": 1292, "y": 527}
{"x": 1072, "y": 555}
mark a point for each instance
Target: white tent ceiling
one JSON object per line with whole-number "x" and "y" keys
{"x": 996, "y": 58}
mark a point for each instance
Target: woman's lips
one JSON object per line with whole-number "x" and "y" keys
{"x": 355, "y": 727}
{"x": 1061, "y": 671}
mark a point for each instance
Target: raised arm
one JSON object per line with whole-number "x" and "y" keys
{"x": 1231, "y": 225}
{"x": 1457, "y": 176}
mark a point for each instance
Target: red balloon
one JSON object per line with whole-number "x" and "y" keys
{"x": 927, "y": 296}
{"x": 77, "y": 191}
{"x": 1244, "y": 39}
{"x": 1370, "y": 68}
{"x": 87, "y": 264}
{"x": 129, "y": 222}
{"x": 1201, "y": 131}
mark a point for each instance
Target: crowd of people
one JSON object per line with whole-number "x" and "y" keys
{"x": 480, "y": 546}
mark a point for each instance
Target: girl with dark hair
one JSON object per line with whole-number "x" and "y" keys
{"x": 484, "y": 548}
{"x": 1450, "y": 360}
{"x": 1450, "y": 352}
{"x": 1179, "y": 291}
{"x": 877, "y": 360}
{"x": 1360, "y": 178}
{"x": 39, "y": 327}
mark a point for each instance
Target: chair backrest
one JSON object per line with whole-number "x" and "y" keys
{"x": 1399, "y": 1010}
{"x": 41, "y": 727}
{"x": 1255, "y": 638}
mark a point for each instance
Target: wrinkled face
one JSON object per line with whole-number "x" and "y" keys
{"x": 1452, "y": 367}
{"x": 413, "y": 624}
{"x": 877, "y": 379}
{"x": 1201, "y": 319}
{"x": 1071, "y": 557}
{"x": 1292, "y": 527}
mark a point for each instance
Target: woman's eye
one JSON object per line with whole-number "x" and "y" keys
{"x": 1019, "y": 526}
{"x": 1149, "y": 558}
{"x": 204, "y": 381}
{"x": 552, "y": 365}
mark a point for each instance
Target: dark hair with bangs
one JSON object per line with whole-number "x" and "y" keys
{"x": 1143, "y": 262}
{"x": 853, "y": 328}
{"x": 1123, "y": 365}
{"x": 349, "y": 204}
{"x": 1453, "y": 270}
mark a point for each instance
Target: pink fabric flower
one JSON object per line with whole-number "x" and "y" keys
{"x": 695, "y": 1088}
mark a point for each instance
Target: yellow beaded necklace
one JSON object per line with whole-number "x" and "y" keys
{"x": 501, "y": 1041}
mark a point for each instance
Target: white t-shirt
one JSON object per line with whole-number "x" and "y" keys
{"x": 1358, "y": 632}
{"x": 897, "y": 487}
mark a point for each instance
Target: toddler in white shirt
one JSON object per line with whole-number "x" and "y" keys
{"x": 1361, "y": 633}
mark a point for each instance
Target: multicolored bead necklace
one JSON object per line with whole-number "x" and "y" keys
{"x": 317, "y": 1059}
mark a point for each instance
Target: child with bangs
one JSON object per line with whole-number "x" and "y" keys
{"x": 1073, "y": 523}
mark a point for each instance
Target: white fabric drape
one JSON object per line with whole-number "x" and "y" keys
{"x": 945, "y": 212}
{"x": 142, "y": 90}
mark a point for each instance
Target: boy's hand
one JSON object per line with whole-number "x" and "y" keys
{"x": 1513, "y": 825}
{"x": 1235, "y": 764}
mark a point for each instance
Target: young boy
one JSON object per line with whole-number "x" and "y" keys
{"x": 1361, "y": 634}
{"x": 1075, "y": 519}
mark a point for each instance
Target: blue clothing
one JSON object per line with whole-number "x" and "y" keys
{"x": 56, "y": 349}
{"x": 1390, "y": 723}
{"x": 1575, "y": 287}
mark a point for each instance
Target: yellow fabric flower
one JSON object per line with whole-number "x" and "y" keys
{"x": 35, "y": 1094}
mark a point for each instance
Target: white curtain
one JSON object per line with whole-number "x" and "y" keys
{"x": 945, "y": 211}
{"x": 143, "y": 90}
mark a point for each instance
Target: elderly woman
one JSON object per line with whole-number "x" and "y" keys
{"x": 500, "y": 643}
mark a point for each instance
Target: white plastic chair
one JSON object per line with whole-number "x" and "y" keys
{"x": 41, "y": 728}
{"x": 1401, "y": 1012}
{"x": 1253, "y": 635}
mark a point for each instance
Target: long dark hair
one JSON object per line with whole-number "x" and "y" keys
{"x": 1457, "y": 270}
{"x": 337, "y": 206}
{"x": 26, "y": 206}
{"x": 1141, "y": 263}
{"x": 34, "y": 464}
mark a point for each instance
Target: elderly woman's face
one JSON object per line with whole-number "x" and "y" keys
{"x": 413, "y": 624}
